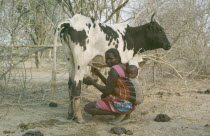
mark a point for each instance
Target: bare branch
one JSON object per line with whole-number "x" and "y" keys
{"x": 22, "y": 60}
{"x": 117, "y": 9}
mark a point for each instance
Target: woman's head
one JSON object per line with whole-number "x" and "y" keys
{"x": 112, "y": 57}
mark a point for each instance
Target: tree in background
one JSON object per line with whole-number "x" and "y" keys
{"x": 186, "y": 23}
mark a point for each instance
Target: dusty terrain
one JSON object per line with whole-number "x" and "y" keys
{"x": 188, "y": 109}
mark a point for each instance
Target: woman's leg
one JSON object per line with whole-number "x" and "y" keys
{"x": 90, "y": 108}
{"x": 128, "y": 116}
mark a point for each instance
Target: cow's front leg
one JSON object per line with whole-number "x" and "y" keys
{"x": 71, "y": 85}
{"x": 74, "y": 111}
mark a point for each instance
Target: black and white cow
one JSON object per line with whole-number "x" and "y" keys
{"x": 83, "y": 38}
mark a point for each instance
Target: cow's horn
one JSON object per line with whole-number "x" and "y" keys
{"x": 152, "y": 18}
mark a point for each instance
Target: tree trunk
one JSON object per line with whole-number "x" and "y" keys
{"x": 38, "y": 58}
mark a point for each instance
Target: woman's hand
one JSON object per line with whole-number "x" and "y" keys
{"x": 95, "y": 70}
{"x": 88, "y": 81}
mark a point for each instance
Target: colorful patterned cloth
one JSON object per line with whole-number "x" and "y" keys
{"x": 124, "y": 96}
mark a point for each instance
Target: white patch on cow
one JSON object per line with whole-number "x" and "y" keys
{"x": 79, "y": 22}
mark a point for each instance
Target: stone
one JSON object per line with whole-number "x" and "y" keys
{"x": 162, "y": 118}
{"x": 33, "y": 133}
{"x": 118, "y": 130}
{"x": 52, "y": 104}
{"x": 129, "y": 132}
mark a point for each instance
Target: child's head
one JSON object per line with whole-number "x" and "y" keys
{"x": 132, "y": 71}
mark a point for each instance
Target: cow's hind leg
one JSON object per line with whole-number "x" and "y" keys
{"x": 74, "y": 111}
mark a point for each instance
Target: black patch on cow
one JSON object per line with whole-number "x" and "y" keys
{"x": 145, "y": 37}
{"x": 134, "y": 39}
{"x": 93, "y": 21}
{"x": 65, "y": 25}
{"x": 78, "y": 37}
{"x": 110, "y": 33}
{"x": 70, "y": 83}
{"x": 84, "y": 48}
{"x": 75, "y": 88}
{"x": 128, "y": 40}
{"x": 78, "y": 67}
{"x": 116, "y": 46}
{"x": 89, "y": 25}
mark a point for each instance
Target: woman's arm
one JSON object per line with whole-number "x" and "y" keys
{"x": 103, "y": 79}
{"x": 110, "y": 83}
{"x": 97, "y": 73}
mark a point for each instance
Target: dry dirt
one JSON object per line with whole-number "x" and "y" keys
{"x": 189, "y": 111}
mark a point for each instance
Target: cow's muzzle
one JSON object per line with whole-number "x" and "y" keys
{"x": 167, "y": 47}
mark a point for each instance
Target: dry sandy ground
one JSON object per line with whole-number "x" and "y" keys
{"x": 189, "y": 110}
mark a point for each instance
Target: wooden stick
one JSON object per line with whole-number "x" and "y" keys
{"x": 31, "y": 46}
{"x": 53, "y": 83}
{"x": 162, "y": 61}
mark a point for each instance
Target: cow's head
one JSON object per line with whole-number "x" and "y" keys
{"x": 155, "y": 36}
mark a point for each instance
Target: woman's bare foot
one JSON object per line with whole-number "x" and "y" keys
{"x": 121, "y": 119}
{"x": 118, "y": 118}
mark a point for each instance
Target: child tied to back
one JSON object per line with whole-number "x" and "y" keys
{"x": 132, "y": 73}
{"x": 136, "y": 95}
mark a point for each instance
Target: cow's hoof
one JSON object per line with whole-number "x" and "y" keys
{"x": 74, "y": 118}
{"x": 71, "y": 116}
{"x": 81, "y": 121}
